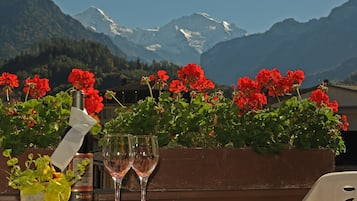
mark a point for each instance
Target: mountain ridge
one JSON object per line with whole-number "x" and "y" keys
{"x": 312, "y": 46}
{"x": 181, "y": 40}
{"x": 38, "y": 20}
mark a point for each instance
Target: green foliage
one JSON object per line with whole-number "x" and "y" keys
{"x": 51, "y": 117}
{"x": 212, "y": 120}
{"x": 176, "y": 121}
{"x": 40, "y": 175}
{"x": 295, "y": 123}
{"x": 310, "y": 126}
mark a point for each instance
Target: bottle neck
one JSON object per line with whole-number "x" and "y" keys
{"x": 78, "y": 99}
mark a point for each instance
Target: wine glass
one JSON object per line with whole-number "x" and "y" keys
{"x": 117, "y": 158}
{"x": 146, "y": 157}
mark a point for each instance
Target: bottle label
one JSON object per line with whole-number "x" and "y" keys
{"x": 86, "y": 182}
{"x": 81, "y": 196}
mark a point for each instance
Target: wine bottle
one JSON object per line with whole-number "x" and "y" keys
{"x": 82, "y": 190}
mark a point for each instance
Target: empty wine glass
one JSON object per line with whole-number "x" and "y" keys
{"x": 146, "y": 157}
{"x": 117, "y": 158}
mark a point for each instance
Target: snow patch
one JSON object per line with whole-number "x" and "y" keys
{"x": 208, "y": 16}
{"x": 212, "y": 27}
{"x": 153, "y": 47}
{"x": 92, "y": 28}
{"x": 227, "y": 26}
{"x": 194, "y": 39}
{"x": 107, "y": 18}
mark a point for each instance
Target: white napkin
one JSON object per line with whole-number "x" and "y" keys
{"x": 80, "y": 123}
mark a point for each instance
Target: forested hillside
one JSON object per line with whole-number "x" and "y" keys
{"x": 56, "y": 57}
{"x": 24, "y": 23}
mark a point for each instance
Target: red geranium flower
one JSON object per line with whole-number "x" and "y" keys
{"x": 296, "y": 77}
{"x": 162, "y": 75}
{"x": 93, "y": 101}
{"x": 9, "y": 81}
{"x": 276, "y": 84}
{"x": 177, "y": 86}
{"x": 36, "y": 87}
{"x": 160, "y": 79}
{"x": 270, "y": 80}
{"x": 81, "y": 80}
{"x": 190, "y": 73}
{"x": 191, "y": 76}
{"x": 345, "y": 123}
{"x": 85, "y": 80}
{"x": 202, "y": 85}
{"x": 249, "y": 97}
{"x": 247, "y": 86}
{"x": 322, "y": 99}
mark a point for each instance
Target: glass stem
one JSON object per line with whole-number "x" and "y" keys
{"x": 143, "y": 184}
{"x": 117, "y": 186}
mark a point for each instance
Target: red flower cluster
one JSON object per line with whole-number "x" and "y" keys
{"x": 249, "y": 96}
{"x": 81, "y": 79}
{"x": 36, "y": 86}
{"x": 321, "y": 98}
{"x": 161, "y": 76}
{"x": 160, "y": 79}
{"x": 345, "y": 123}
{"x": 276, "y": 84}
{"x": 85, "y": 80}
{"x": 191, "y": 77}
{"x": 9, "y": 81}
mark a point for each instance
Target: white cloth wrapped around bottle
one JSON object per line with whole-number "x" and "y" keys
{"x": 80, "y": 123}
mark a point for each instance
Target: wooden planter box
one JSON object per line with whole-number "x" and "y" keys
{"x": 233, "y": 174}
{"x": 237, "y": 169}
{"x": 220, "y": 174}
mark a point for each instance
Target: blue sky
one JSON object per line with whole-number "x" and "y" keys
{"x": 251, "y": 15}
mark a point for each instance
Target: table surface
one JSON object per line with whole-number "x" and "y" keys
{"x": 211, "y": 195}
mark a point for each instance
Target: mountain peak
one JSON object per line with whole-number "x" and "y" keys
{"x": 96, "y": 19}
{"x": 97, "y": 11}
{"x": 205, "y": 16}
{"x": 181, "y": 40}
{"x": 345, "y": 11}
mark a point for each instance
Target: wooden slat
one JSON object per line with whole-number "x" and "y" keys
{"x": 244, "y": 195}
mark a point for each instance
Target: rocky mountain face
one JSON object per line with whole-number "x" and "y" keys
{"x": 96, "y": 20}
{"x": 318, "y": 47}
{"x": 23, "y": 23}
{"x": 180, "y": 41}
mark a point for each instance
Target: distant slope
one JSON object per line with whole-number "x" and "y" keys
{"x": 339, "y": 73}
{"x": 313, "y": 46}
{"x": 55, "y": 58}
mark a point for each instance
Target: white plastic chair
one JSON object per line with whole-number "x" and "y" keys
{"x": 336, "y": 186}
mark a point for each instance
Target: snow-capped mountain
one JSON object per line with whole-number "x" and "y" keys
{"x": 181, "y": 41}
{"x": 96, "y": 20}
